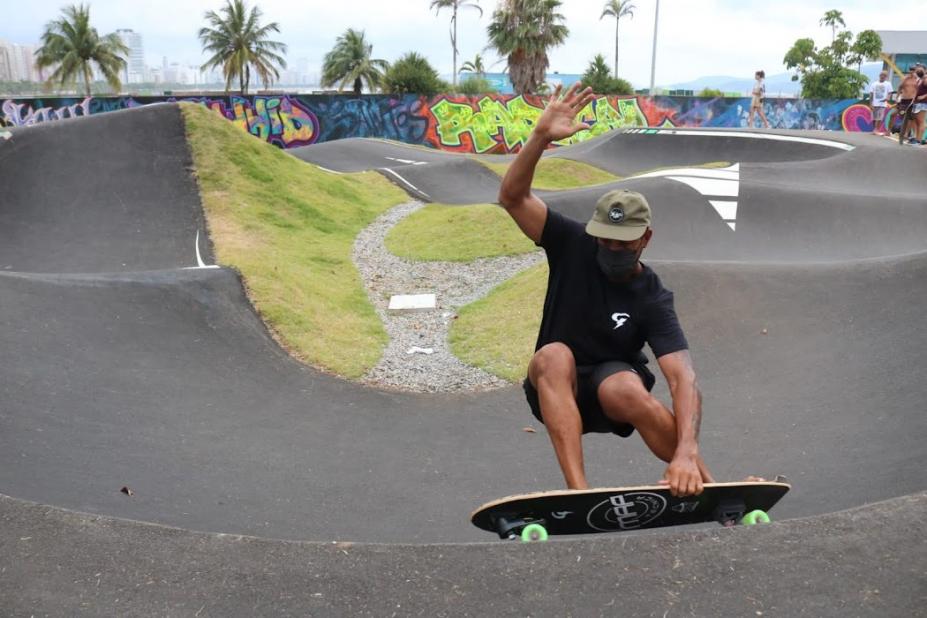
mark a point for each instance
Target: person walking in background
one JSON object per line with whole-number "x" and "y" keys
{"x": 878, "y": 97}
{"x": 756, "y": 103}
{"x": 907, "y": 91}
{"x": 920, "y": 106}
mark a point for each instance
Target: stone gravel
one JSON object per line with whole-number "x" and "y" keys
{"x": 455, "y": 284}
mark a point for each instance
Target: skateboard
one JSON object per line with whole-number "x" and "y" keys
{"x": 532, "y": 517}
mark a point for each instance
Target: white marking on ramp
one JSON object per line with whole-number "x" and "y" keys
{"x": 199, "y": 258}
{"x": 722, "y": 182}
{"x": 407, "y": 161}
{"x": 325, "y": 169}
{"x": 406, "y": 182}
{"x": 745, "y": 135}
{"x": 710, "y": 186}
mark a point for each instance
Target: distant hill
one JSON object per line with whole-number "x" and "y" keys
{"x": 780, "y": 83}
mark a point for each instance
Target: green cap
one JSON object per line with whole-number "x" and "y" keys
{"x": 620, "y": 215}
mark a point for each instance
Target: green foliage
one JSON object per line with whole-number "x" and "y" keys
{"x": 475, "y": 85}
{"x": 710, "y": 92}
{"x": 826, "y": 73}
{"x": 474, "y": 66}
{"x": 238, "y": 44}
{"x": 72, "y": 46}
{"x": 413, "y": 74}
{"x": 522, "y": 31}
{"x": 350, "y": 62}
{"x": 600, "y": 79}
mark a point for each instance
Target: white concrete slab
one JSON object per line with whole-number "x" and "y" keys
{"x": 412, "y": 302}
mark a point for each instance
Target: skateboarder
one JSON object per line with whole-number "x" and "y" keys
{"x": 588, "y": 373}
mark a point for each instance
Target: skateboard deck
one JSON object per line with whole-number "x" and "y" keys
{"x": 617, "y": 509}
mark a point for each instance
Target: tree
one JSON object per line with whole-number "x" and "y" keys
{"x": 599, "y": 78}
{"x": 239, "y": 44}
{"x": 617, "y": 9}
{"x": 523, "y": 31}
{"x": 474, "y": 85}
{"x": 73, "y": 46}
{"x": 349, "y": 62}
{"x": 474, "y": 66}
{"x": 413, "y": 74}
{"x": 437, "y": 5}
{"x": 825, "y": 73}
{"x": 710, "y": 92}
{"x": 831, "y": 19}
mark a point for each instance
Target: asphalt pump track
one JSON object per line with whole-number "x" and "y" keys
{"x": 127, "y": 359}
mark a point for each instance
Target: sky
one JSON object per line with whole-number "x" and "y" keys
{"x": 695, "y": 39}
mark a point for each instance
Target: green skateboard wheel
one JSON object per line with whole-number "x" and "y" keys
{"x": 755, "y": 517}
{"x": 533, "y": 532}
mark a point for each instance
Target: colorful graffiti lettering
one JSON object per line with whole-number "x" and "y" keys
{"x": 23, "y": 114}
{"x": 280, "y": 120}
{"x": 484, "y": 124}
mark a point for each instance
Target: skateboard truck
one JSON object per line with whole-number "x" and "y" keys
{"x": 511, "y": 528}
{"x": 730, "y": 511}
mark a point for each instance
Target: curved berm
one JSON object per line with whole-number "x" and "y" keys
{"x": 800, "y": 284}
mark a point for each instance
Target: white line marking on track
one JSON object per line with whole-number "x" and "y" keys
{"x": 325, "y": 169}
{"x": 199, "y": 258}
{"x": 744, "y": 134}
{"x": 406, "y": 182}
{"x": 409, "y": 161}
{"x": 727, "y": 210}
{"x": 710, "y": 186}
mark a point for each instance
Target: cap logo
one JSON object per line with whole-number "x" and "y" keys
{"x": 615, "y": 214}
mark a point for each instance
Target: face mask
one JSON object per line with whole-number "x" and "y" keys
{"x": 616, "y": 264}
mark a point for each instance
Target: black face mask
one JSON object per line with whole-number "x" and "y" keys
{"x": 616, "y": 264}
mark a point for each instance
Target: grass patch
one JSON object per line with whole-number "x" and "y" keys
{"x": 288, "y": 228}
{"x": 457, "y": 234}
{"x": 555, "y": 174}
{"x": 497, "y": 333}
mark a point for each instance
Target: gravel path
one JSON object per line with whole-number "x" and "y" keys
{"x": 455, "y": 284}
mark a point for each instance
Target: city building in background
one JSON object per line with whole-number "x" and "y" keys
{"x": 135, "y": 63}
{"x": 17, "y": 63}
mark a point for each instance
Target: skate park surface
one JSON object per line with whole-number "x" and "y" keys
{"x": 263, "y": 486}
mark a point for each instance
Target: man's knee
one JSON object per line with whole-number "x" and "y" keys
{"x": 624, "y": 398}
{"x": 552, "y": 360}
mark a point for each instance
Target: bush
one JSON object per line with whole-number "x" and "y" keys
{"x": 710, "y": 92}
{"x": 413, "y": 74}
{"x": 476, "y": 85}
{"x": 599, "y": 78}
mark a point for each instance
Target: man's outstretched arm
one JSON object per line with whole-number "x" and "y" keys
{"x": 557, "y": 122}
{"x": 683, "y": 474}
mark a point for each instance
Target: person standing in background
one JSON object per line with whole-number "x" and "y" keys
{"x": 756, "y": 103}
{"x": 878, "y": 97}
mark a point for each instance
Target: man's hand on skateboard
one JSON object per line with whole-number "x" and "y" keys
{"x": 683, "y": 477}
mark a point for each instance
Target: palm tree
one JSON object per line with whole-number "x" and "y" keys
{"x": 523, "y": 31}
{"x": 349, "y": 62}
{"x": 239, "y": 43}
{"x": 617, "y": 9}
{"x": 72, "y": 45}
{"x": 437, "y": 5}
{"x": 474, "y": 66}
{"x": 832, "y": 18}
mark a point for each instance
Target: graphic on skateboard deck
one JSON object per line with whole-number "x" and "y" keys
{"x": 536, "y": 515}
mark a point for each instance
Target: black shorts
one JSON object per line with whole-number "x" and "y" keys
{"x": 588, "y": 379}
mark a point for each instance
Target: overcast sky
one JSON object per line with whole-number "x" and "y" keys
{"x": 709, "y": 37}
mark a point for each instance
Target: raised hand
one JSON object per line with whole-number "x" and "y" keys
{"x": 559, "y": 118}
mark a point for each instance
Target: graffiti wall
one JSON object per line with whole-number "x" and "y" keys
{"x": 481, "y": 124}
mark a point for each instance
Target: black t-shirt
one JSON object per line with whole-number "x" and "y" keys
{"x": 597, "y": 319}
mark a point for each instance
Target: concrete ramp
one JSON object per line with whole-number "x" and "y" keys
{"x": 106, "y": 193}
